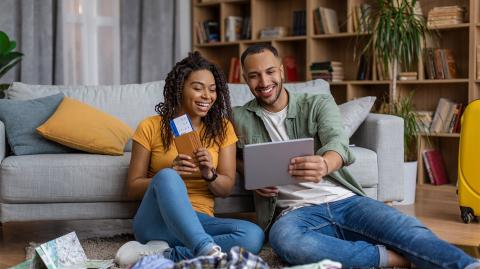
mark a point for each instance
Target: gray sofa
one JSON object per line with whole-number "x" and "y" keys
{"x": 89, "y": 186}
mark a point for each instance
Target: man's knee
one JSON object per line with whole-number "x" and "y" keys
{"x": 254, "y": 237}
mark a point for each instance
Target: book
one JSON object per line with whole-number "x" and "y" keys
{"x": 437, "y": 166}
{"x": 232, "y": 70}
{"x": 429, "y": 64}
{"x": 451, "y": 69}
{"x": 329, "y": 20}
{"x": 424, "y": 120}
{"x": 427, "y": 166}
{"x": 233, "y": 28}
{"x": 290, "y": 64}
{"x": 440, "y": 116}
{"x": 212, "y": 30}
{"x": 438, "y": 62}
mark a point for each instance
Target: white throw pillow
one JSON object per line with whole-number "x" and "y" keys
{"x": 354, "y": 113}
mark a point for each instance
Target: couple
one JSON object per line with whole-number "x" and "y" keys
{"x": 175, "y": 217}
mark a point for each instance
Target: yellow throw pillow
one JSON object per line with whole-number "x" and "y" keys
{"x": 80, "y": 126}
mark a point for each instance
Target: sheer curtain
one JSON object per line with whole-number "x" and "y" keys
{"x": 155, "y": 34}
{"x": 91, "y": 31}
{"x": 36, "y": 28}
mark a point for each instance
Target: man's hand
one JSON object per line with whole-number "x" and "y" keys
{"x": 267, "y": 192}
{"x": 309, "y": 168}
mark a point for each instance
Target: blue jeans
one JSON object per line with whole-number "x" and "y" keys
{"x": 166, "y": 214}
{"x": 356, "y": 232}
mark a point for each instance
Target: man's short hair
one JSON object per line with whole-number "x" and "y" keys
{"x": 257, "y": 48}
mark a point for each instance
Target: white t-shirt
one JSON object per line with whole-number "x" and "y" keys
{"x": 294, "y": 196}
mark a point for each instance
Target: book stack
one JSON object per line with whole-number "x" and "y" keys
{"x": 446, "y": 15}
{"x": 447, "y": 117}
{"x": 424, "y": 120}
{"x": 360, "y": 14}
{"x": 435, "y": 167}
{"x": 273, "y": 32}
{"x": 439, "y": 63}
{"x": 325, "y": 21}
{"x": 329, "y": 70}
{"x": 407, "y": 76}
{"x": 233, "y": 28}
{"x": 299, "y": 22}
{"x": 208, "y": 31}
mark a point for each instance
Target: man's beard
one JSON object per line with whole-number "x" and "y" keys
{"x": 278, "y": 87}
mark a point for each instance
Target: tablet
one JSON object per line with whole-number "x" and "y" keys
{"x": 266, "y": 164}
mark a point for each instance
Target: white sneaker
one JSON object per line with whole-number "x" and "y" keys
{"x": 132, "y": 251}
{"x": 217, "y": 252}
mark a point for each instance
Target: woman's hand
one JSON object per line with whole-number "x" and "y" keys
{"x": 205, "y": 160}
{"x": 184, "y": 165}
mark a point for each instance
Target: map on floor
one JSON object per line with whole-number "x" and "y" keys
{"x": 64, "y": 252}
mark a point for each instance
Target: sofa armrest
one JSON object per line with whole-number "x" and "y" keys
{"x": 3, "y": 142}
{"x": 384, "y": 135}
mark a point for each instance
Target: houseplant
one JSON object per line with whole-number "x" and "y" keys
{"x": 397, "y": 32}
{"x": 8, "y": 57}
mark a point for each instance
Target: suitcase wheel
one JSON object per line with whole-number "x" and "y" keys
{"x": 467, "y": 214}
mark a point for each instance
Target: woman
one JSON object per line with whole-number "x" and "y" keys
{"x": 177, "y": 207}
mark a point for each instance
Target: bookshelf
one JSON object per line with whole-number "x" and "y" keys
{"x": 461, "y": 38}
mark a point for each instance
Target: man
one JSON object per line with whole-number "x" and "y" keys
{"x": 328, "y": 217}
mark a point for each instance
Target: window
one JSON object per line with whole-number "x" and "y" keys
{"x": 91, "y": 42}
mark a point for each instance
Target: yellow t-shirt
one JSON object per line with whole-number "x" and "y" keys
{"x": 148, "y": 135}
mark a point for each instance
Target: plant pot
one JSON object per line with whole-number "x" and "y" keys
{"x": 409, "y": 184}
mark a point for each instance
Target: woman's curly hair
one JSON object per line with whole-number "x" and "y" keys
{"x": 215, "y": 120}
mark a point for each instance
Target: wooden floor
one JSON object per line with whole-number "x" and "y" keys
{"x": 437, "y": 209}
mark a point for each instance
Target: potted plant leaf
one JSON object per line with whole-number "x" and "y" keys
{"x": 397, "y": 32}
{"x": 8, "y": 58}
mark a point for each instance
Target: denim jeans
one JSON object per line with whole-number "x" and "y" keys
{"x": 165, "y": 213}
{"x": 356, "y": 232}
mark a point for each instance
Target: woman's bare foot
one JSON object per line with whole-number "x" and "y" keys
{"x": 396, "y": 260}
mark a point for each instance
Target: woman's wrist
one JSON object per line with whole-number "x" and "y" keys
{"x": 213, "y": 176}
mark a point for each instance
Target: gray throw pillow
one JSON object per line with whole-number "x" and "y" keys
{"x": 354, "y": 113}
{"x": 22, "y": 117}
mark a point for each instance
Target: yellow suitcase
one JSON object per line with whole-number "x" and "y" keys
{"x": 469, "y": 163}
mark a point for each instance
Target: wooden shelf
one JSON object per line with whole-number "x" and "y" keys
{"x": 433, "y": 81}
{"x": 339, "y": 35}
{"x": 218, "y": 2}
{"x": 430, "y": 187}
{"x": 280, "y": 39}
{"x": 218, "y": 44}
{"x": 451, "y": 27}
{"x": 454, "y": 135}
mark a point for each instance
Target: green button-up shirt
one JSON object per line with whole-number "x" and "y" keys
{"x": 308, "y": 115}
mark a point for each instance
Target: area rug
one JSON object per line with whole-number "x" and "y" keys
{"x": 104, "y": 248}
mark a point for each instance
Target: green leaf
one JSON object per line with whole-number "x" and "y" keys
{"x": 4, "y": 42}
{"x": 6, "y": 68}
{"x": 7, "y": 58}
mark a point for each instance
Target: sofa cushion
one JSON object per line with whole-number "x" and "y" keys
{"x": 354, "y": 113}
{"x": 22, "y": 117}
{"x": 74, "y": 177}
{"x": 80, "y": 126}
{"x": 130, "y": 103}
{"x": 365, "y": 167}
{"x": 240, "y": 93}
